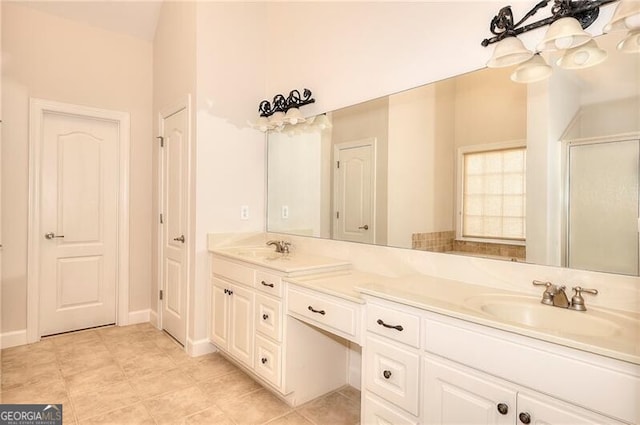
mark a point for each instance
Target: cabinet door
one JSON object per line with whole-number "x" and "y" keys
{"x": 454, "y": 394}
{"x": 542, "y": 410}
{"x": 241, "y": 324}
{"x": 220, "y": 314}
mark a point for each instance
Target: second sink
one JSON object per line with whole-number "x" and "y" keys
{"x": 528, "y": 311}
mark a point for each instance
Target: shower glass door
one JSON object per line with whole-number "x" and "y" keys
{"x": 602, "y": 220}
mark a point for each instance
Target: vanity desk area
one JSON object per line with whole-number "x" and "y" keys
{"x": 433, "y": 350}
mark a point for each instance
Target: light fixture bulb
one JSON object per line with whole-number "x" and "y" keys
{"x": 584, "y": 56}
{"x": 581, "y": 58}
{"x": 565, "y": 33}
{"x": 625, "y": 17}
{"x": 277, "y": 119}
{"x": 294, "y": 116}
{"x": 632, "y": 22}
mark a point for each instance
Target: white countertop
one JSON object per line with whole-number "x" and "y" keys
{"x": 601, "y": 331}
{"x": 460, "y": 300}
{"x": 291, "y": 264}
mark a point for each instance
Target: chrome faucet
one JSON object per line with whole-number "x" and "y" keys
{"x": 281, "y": 246}
{"x": 556, "y": 296}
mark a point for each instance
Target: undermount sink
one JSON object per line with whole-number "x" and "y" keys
{"x": 262, "y": 253}
{"x": 528, "y": 311}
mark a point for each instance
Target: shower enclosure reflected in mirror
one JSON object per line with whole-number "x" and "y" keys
{"x": 475, "y": 165}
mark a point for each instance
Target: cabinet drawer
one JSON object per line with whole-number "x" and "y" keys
{"x": 269, "y": 283}
{"x": 268, "y": 362}
{"x": 330, "y": 313}
{"x": 378, "y": 412}
{"x": 232, "y": 271}
{"x": 268, "y": 315}
{"x": 392, "y": 373}
{"x": 395, "y": 324}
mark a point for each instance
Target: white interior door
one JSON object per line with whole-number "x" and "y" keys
{"x": 78, "y": 222}
{"x": 354, "y": 185}
{"x": 175, "y": 153}
{"x": 603, "y": 229}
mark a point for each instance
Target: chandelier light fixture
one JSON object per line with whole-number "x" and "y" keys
{"x": 566, "y": 33}
{"x": 282, "y": 110}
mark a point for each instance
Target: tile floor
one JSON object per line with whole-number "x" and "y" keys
{"x": 138, "y": 375}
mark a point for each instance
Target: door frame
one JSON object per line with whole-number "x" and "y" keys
{"x": 173, "y": 108}
{"x": 37, "y": 109}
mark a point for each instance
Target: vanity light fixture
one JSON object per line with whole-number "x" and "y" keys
{"x": 566, "y": 32}
{"x": 282, "y": 110}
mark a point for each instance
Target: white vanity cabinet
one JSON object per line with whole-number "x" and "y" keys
{"x": 465, "y": 373}
{"x": 454, "y": 394}
{"x": 391, "y": 365}
{"x": 250, "y": 326}
{"x": 232, "y": 326}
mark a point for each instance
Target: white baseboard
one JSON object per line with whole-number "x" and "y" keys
{"x": 153, "y": 318}
{"x": 140, "y": 316}
{"x": 200, "y": 347}
{"x": 13, "y": 338}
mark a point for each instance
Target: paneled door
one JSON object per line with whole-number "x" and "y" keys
{"x": 78, "y": 222}
{"x": 354, "y": 191}
{"x": 174, "y": 155}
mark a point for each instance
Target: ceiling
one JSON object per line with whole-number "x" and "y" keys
{"x": 135, "y": 18}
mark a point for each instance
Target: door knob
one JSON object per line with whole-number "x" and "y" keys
{"x": 180, "y": 239}
{"x": 52, "y": 235}
{"x": 365, "y": 227}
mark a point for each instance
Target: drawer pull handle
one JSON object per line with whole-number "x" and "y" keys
{"x": 386, "y": 374}
{"x": 229, "y": 291}
{"x": 396, "y": 327}
{"x": 525, "y": 418}
{"x": 503, "y": 408}
{"x": 316, "y": 311}
{"x": 265, "y": 316}
{"x": 270, "y": 285}
{"x": 263, "y": 360}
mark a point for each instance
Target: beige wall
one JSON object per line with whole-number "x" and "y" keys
{"x": 231, "y": 52}
{"x": 174, "y": 78}
{"x": 52, "y": 58}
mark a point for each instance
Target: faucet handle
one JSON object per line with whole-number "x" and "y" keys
{"x": 285, "y": 246}
{"x": 547, "y": 295}
{"x": 577, "y": 302}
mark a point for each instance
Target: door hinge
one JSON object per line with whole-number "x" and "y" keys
{"x": 161, "y": 141}
{"x": 337, "y": 214}
{"x": 337, "y": 164}
{"x": 161, "y": 294}
{"x": 161, "y": 219}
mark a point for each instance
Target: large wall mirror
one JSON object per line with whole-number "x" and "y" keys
{"x": 478, "y": 165}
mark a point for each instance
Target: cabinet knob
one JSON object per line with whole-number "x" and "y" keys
{"x": 525, "y": 418}
{"x": 263, "y": 360}
{"x": 229, "y": 291}
{"x": 386, "y": 374}
{"x": 503, "y": 408}
{"x": 265, "y": 316}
